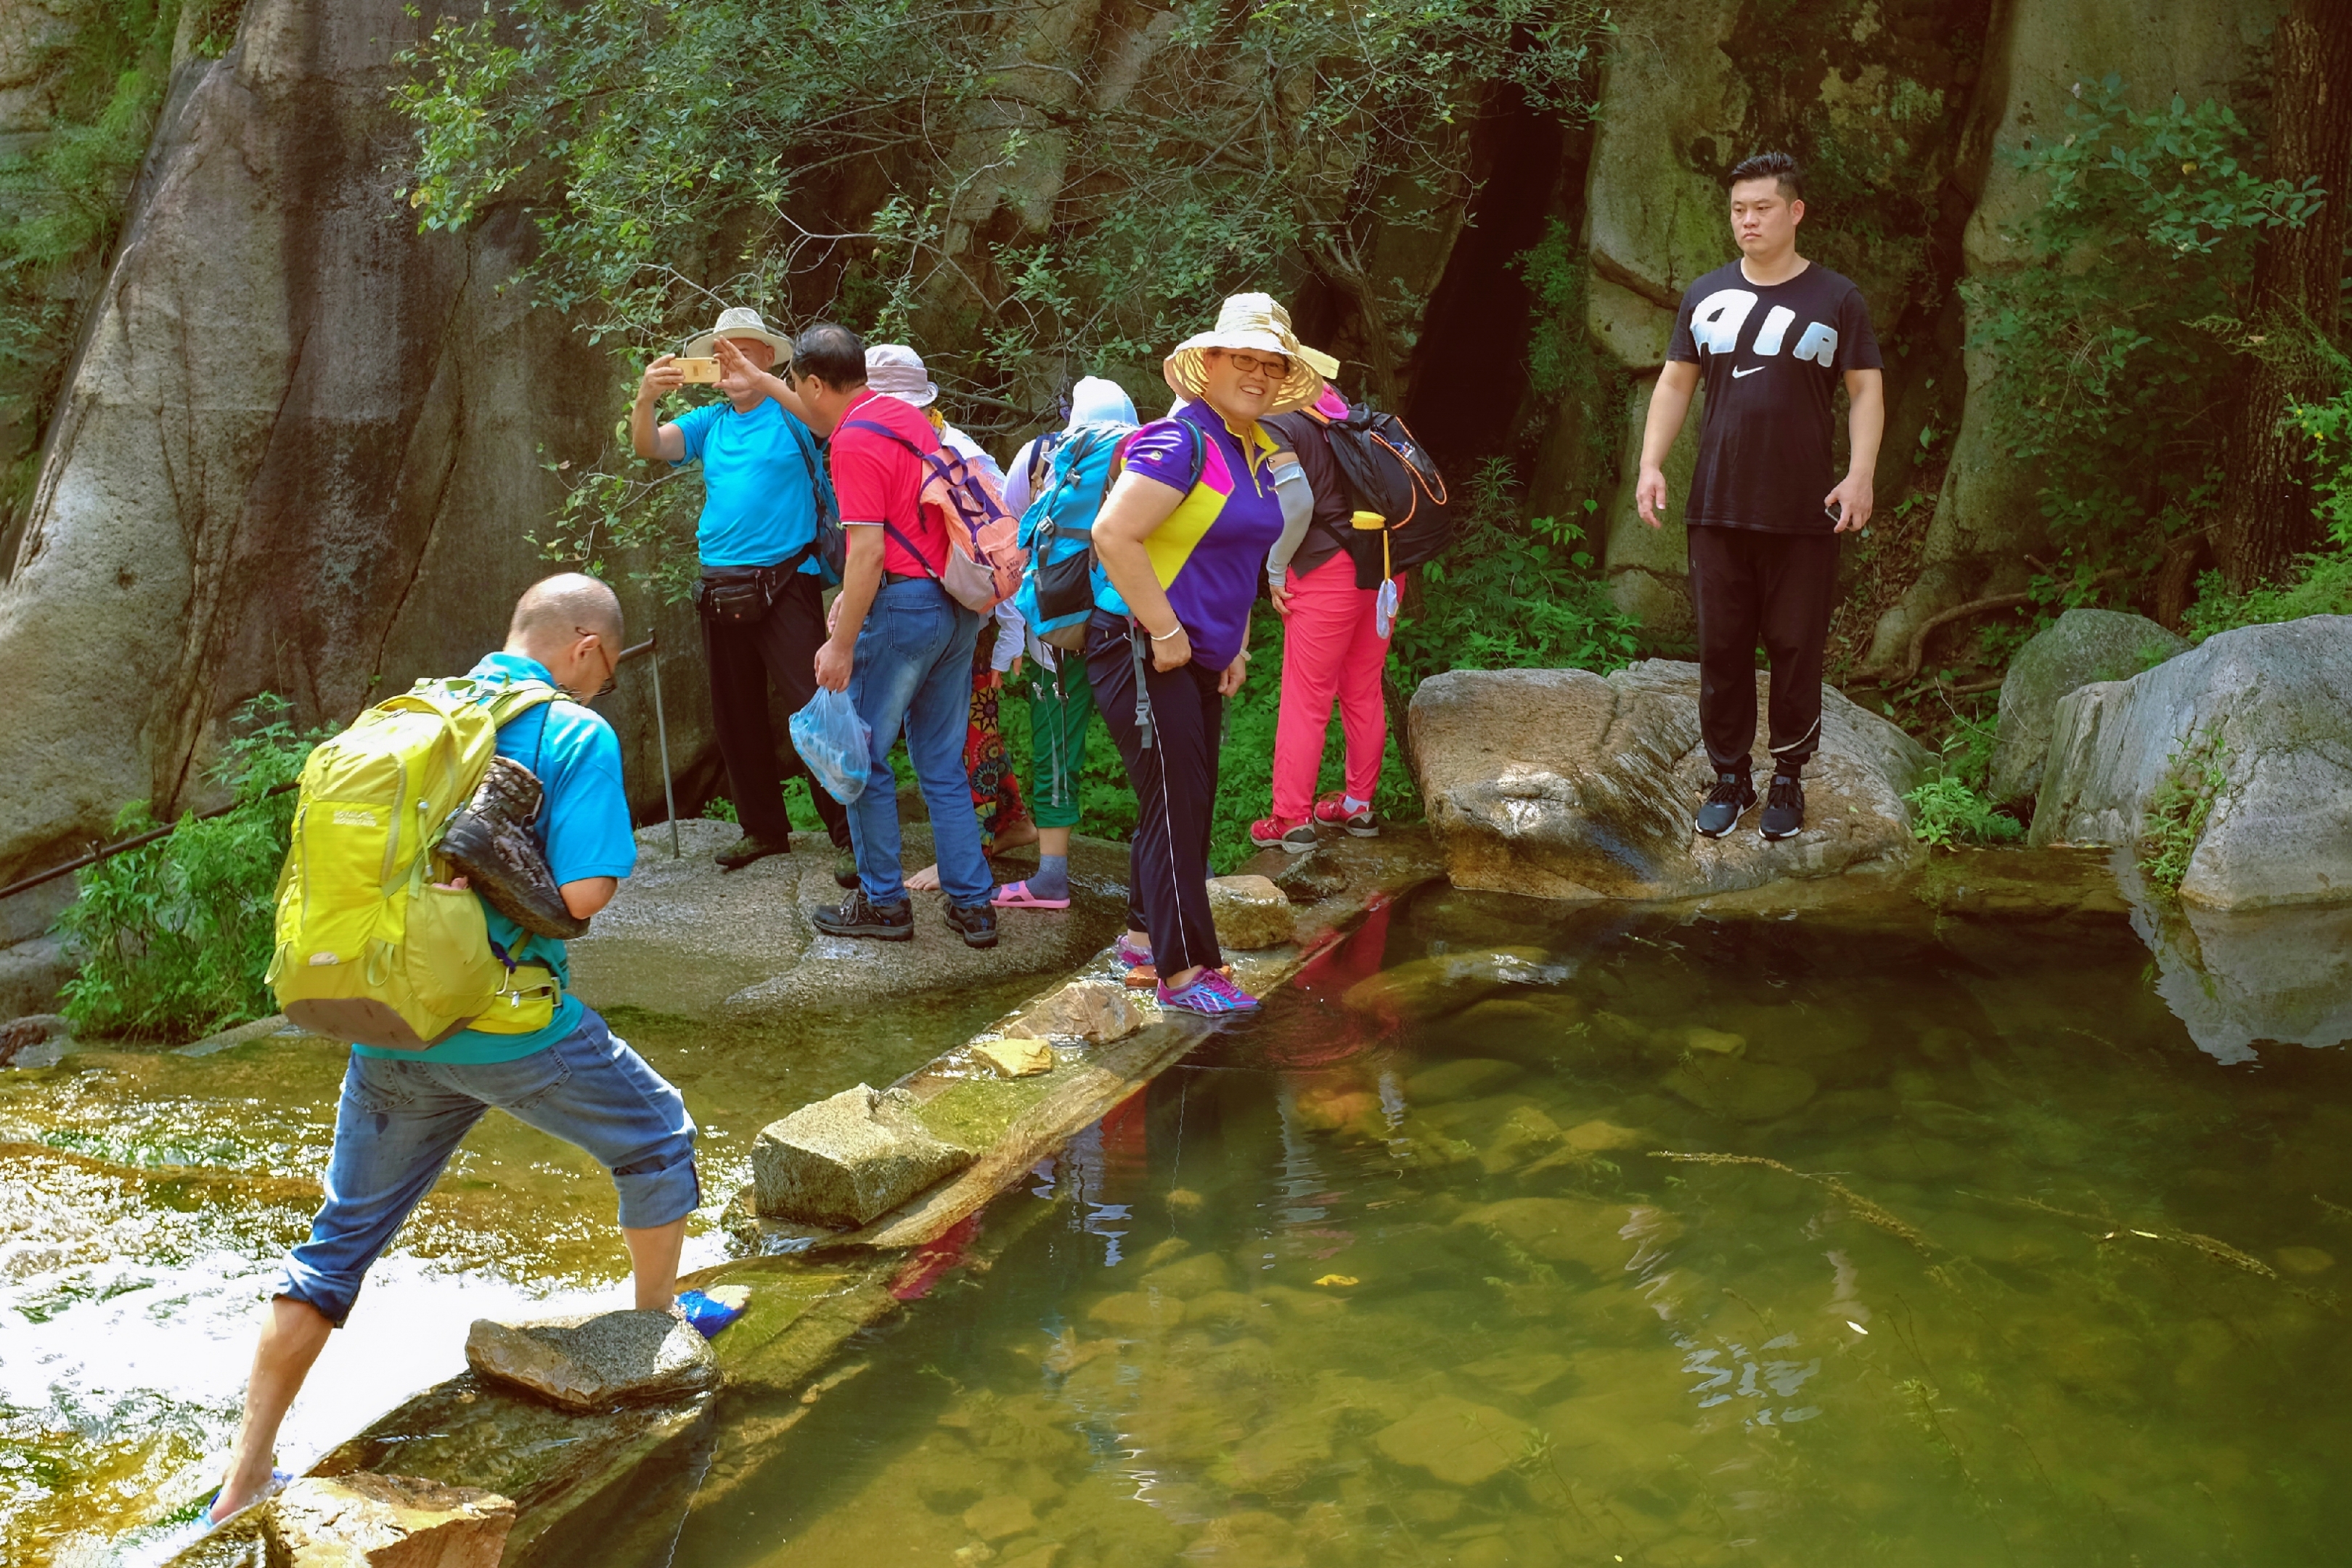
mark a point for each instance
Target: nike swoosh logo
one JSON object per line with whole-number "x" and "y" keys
{"x": 1751, "y": 369}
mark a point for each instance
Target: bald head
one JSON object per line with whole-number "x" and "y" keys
{"x": 571, "y": 624}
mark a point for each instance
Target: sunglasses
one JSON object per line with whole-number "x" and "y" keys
{"x": 612, "y": 665}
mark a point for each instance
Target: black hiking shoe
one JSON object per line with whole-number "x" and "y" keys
{"x": 884, "y": 922}
{"x": 1724, "y": 804}
{"x": 1784, "y": 809}
{"x": 746, "y": 850}
{"x": 976, "y": 923}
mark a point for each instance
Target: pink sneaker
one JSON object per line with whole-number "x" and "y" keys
{"x": 1210, "y": 992}
{"x": 1126, "y": 953}
{"x": 1332, "y": 810}
{"x": 1273, "y": 833}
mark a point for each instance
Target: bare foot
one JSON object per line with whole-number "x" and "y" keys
{"x": 1012, "y": 836}
{"x": 926, "y": 880}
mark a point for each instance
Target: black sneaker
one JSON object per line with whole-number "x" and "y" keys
{"x": 889, "y": 922}
{"x": 746, "y": 850}
{"x": 844, "y": 866}
{"x": 1784, "y": 809}
{"x": 975, "y": 922}
{"x": 1724, "y": 804}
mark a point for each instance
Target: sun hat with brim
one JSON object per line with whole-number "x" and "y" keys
{"x": 736, "y": 321}
{"x": 1253, "y": 322}
{"x": 894, "y": 369}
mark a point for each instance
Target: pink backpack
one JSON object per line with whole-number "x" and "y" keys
{"x": 985, "y": 560}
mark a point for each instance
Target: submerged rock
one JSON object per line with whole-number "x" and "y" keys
{"x": 1458, "y": 1441}
{"x": 1016, "y": 1057}
{"x": 2263, "y": 708}
{"x": 847, "y": 1160}
{"x": 1430, "y": 988}
{"x": 1250, "y": 912}
{"x": 1740, "y": 1091}
{"x": 1602, "y": 1237}
{"x": 1563, "y": 785}
{"x": 598, "y": 1363}
{"x": 2082, "y": 646}
{"x": 363, "y": 1520}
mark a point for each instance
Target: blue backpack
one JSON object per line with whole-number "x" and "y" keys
{"x": 1065, "y": 584}
{"x": 829, "y": 547}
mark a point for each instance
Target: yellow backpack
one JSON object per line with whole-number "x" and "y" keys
{"x": 371, "y": 947}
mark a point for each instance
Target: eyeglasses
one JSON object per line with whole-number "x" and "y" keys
{"x": 611, "y": 663}
{"x": 1249, "y": 363}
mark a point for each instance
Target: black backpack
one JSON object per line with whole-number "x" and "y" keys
{"x": 1392, "y": 474}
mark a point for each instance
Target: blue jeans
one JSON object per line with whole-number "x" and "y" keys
{"x": 912, "y": 670}
{"x": 399, "y": 1121}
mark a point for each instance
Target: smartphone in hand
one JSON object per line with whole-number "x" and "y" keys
{"x": 698, "y": 370}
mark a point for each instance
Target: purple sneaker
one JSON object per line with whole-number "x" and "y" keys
{"x": 1125, "y": 954}
{"x": 1210, "y": 992}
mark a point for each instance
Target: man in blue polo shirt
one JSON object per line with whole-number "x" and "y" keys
{"x": 763, "y": 614}
{"x": 404, "y": 1113}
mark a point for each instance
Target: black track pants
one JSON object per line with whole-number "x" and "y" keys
{"x": 744, "y": 657}
{"x": 1175, "y": 782}
{"x": 1781, "y": 587}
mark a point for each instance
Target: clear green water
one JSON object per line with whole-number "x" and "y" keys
{"x": 1401, "y": 1278}
{"x": 146, "y": 1200}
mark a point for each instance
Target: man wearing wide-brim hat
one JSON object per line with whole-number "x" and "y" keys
{"x": 763, "y": 614}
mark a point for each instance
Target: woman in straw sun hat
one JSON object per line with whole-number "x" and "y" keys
{"x": 1182, "y": 540}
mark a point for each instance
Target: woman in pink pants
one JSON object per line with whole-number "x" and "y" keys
{"x": 1333, "y": 646}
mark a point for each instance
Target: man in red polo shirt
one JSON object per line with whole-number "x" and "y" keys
{"x": 900, "y": 646}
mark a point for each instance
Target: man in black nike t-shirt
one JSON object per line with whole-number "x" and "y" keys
{"x": 1773, "y": 334}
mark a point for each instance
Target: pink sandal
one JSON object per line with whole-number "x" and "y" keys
{"x": 1017, "y": 896}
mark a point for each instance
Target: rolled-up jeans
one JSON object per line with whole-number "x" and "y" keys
{"x": 399, "y": 1121}
{"x": 912, "y": 673}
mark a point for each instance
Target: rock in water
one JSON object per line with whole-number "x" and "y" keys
{"x": 2265, "y": 705}
{"x": 1250, "y": 912}
{"x": 2084, "y": 646}
{"x": 1311, "y": 877}
{"x": 597, "y": 1362}
{"x": 1563, "y": 785}
{"x": 1096, "y": 1010}
{"x": 1458, "y": 1441}
{"x": 1739, "y": 1089}
{"x": 364, "y": 1521}
{"x": 1014, "y": 1058}
{"x": 846, "y": 1161}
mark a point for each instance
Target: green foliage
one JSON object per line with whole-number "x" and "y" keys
{"x": 2322, "y": 582}
{"x": 1951, "y": 807}
{"x": 2116, "y": 336}
{"x": 176, "y": 937}
{"x": 898, "y": 163}
{"x": 2178, "y": 811}
{"x": 719, "y": 808}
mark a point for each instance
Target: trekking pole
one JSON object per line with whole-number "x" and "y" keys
{"x": 651, "y": 649}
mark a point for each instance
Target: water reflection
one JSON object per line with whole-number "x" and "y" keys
{"x": 2240, "y": 979}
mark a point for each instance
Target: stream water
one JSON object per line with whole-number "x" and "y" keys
{"x": 146, "y": 1199}
{"x": 1979, "y": 1260}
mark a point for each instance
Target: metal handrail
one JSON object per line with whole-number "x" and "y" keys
{"x": 141, "y": 841}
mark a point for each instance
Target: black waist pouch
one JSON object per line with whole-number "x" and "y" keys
{"x": 738, "y": 593}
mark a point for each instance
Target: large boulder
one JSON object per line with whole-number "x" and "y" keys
{"x": 2264, "y": 705}
{"x": 847, "y": 1160}
{"x": 2082, "y": 646}
{"x": 1563, "y": 785}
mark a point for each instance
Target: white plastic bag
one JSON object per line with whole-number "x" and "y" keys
{"x": 836, "y": 743}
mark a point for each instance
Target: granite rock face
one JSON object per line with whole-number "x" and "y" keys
{"x": 363, "y": 1520}
{"x": 2263, "y": 707}
{"x": 847, "y": 1160}
{"x": 1562, "y": 785}
{"x": 595, "y": 1364}
{"x": 1098, "y": 1011}
{"x": 2082, "y": 646}
{"x": 1250, "y": 912}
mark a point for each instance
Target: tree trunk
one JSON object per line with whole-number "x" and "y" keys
{"x": 2266, "y": 517}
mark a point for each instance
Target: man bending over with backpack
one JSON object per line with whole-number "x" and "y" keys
{"x": 557, "y": 1068}
{"x": 1774, "y": 335}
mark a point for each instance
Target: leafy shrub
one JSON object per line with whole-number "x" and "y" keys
{"x": 1951, "y": 807}
{"x": 2178, "y": 811}
{"x": 2322, "y": 584}
{"x": 176, "y": 936}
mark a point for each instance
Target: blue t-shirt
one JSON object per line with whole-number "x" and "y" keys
{"x": 759, "y": 500}
{"x": 584, "y": 825}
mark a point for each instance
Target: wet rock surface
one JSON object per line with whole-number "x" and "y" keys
{"x": 1250, "y": 912}
{"x": 595, "y": 1364}
{"x": 363, "y": 1520}
{"x": 1096, "y": 1011}
{"x": 2081, "y": 647}
{"x": 847, "y": 1160}
{"x": 2255, "y": 721}
{"x": 1563, "y": 785}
